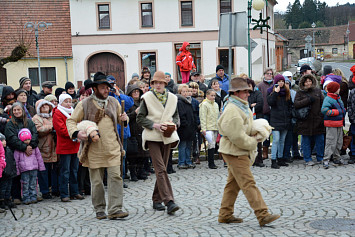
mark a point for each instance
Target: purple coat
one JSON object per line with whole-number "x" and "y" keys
{"x": 26, "y": 163}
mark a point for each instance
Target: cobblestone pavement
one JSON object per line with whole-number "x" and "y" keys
{"x": 300, "y": 194}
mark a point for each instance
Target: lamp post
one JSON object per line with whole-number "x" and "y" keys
{"x": 347, "y": 40}
{"x": 37, "y": 26}
{"x": 314, "y": 41}
{"x": 257, "y": 5}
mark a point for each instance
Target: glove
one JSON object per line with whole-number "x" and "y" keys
{"x": 3, "y": 120}
{"x": 312, "y": 99}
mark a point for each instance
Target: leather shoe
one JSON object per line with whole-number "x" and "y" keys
{"x": 119, "y": 214}
{"x": 197, "y": 161}
{"x": 172, "y": 207}
{"x": 213, "y": 167}
{"x": 231, "y": 219}
{"x": 158, "y": 206}
{"x": 66, "y": 199}
{"x": 268, "y": 219}
{"x": 101, "y": 215}
{"x": 77, "y": 197}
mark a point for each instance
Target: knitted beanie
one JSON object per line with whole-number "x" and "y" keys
{"x": 23, "y": 80}
{"x": 278, "y": 78}
{"x": 327, "y": 69}
{"x": 135, "y": 75}
{"x": 24, "y": 134}
{"x": 63, "y": 97}
{"x": 50, "y": 98}
{"x": 219, "y": 67}
{"x": 332, "y": 87}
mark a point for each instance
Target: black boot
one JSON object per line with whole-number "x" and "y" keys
{"x": 9, "y": 203}
{"x": 2, "y": 204}
{"x": 141, "y": 173}
{"x": 274, "y": 164}
{"x": 281, "y": 162}
{"x": 259, "y": 160}
{"x": 211, "y": 164}
{"x": 133, "y": 172}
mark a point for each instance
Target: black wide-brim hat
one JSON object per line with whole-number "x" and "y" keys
{"x": 99, "y": 78}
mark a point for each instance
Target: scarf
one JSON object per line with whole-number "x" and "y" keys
{"x": 189, "y": 99}
{"x": 218, "y": 92}
{"x": 162, "y": 97}
{"x": 102, "y": 103}
{"x": 26, "y": 111}
{"x": 67, "y": 112}
{"x": 244, "y": 107}
{"x": 44, "y": 115}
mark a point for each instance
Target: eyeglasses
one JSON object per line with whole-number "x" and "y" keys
{"x": 269, "y": 73}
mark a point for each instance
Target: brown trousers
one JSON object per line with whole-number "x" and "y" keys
{"x": 159, "y": 153}
{"x": 241, "y": 178}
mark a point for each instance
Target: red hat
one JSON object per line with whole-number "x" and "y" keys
{"x": 333, "y": 87}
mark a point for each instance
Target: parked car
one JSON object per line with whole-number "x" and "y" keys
{"x": 303, "y": 61}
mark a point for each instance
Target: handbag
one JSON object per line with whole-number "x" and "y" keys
{"x": 132, "y": 146}
{"x": 301, "y": 113}
{"x": 346, "y": 141}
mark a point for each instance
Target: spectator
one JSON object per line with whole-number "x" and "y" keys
{"x": 351, "y": 114}
{"x": 222, "y": 78}
{"x": 185, "y": 62}
{"x": 52, "y": 99}
{"x": 46, "y": 89}
{"x": 220, "y": 94}
{"x": 21, "y": 96}
{"x": 59, "y": 91}
{"x": 25, "y": 84}
{"x": 344, "y": 87}
{"x": 196, "y": 92}
{"x": 195, "y": 77}
{"x": 172, "y": 86}
{"x": 8, "y": 97}
{"x": 288, "y": 75}
{"x": 146, "y": 75}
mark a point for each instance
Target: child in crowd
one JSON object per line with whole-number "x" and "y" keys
{"x": 46, "y": 144}
{"x": 209, "y": 113}
{"x": 196, "y": 92}
{"x": 28, "y": 166}
{"x": 186, "y": 129}
{"x": 220, "y": 94}
{"x": 334, "y": 114}
{"x": 196, "y": 142}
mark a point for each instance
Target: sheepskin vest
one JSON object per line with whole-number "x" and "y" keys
{"x": 159, "y": 114}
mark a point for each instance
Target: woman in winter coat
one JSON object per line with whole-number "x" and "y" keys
{"x": 17, "y": 122}
{"x": 46, "y": 144}
{"x": 185, "y": 62}
{"x": 256, "y": 104}
{"x": 136, "y": 160}
{"x": 67, "y": 150}
{"x": 186, "y": 129}
{"x": 21, "y": 96}
{"x": 311, "y": 128}
{"x": 279, "y": 100}
{"x": 220, "y": 94}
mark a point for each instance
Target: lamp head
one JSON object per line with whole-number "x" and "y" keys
{"x": 258, "y": 4}
{"x": 313, "y": 25}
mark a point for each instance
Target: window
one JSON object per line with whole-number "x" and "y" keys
{"x": 225, "y": 6}
{"x": 223, "y": 60}
{"x": 186, "y": 13}
{"x": 47, "y": 74}
{"x": 149, "y": 59}
{"x": 195, "y": 49}
{"x": 334, "y": 50}
{"x": 104, "y": 16}
{"x": 147, "y": 14}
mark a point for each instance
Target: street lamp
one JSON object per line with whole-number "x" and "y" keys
{"x": 37, "y": 26}
{"x": 314, "y": 41}
{"x": 347, "y": 37}
{"x": 257, "y": 5}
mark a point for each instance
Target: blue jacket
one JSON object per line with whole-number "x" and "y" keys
{"x": 223, "y": 82}
{"x": 333, "y": 110}
{"x": 128, "y": 102}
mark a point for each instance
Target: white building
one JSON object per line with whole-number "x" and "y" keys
{"x": 119, "y": 37}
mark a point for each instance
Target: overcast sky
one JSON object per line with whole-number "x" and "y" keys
{"x": 282, "y": 4}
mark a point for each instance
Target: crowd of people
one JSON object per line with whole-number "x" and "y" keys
{"x": 66, "y": 140}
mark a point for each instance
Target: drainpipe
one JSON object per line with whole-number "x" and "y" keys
{"x": 66, "y": 67}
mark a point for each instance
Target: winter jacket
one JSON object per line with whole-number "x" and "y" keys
{"x": 172, "y": 87}
{"x": 351, "y": 106}
{"x": 333, "y": 110}
{"x": 7, "y": 90}
{"x": 314, "y": 123}
{"x": 11, "y": 134}
{"x": 184, "y": 59}
{"x": 223, "y": 82}
{"x": 4, "y": 118}
{"x": 220, "y": 97}
{"x": 263, "y": 86}
{"x": 344, "y": 93}
{"x": 188, "y": 125}
{"x": 280, "y": 113}
{"x": 26, "y": 163}
{"x": 256, "y": 97}
{"x": 65, "y": 145}
{"x": 128, "y": 104}
{"x": 10, "y": 170}
{"x": 32, "y": 98}
{"x": 235, "y": 127}
{"x": 31, "y": 110}
{"x": 2, "y": 159}
{"x": 209, "y": 114}
{"x": 46, "y": 143}
{"x": 196, "y": 108}
{"x": 41, "y": 95}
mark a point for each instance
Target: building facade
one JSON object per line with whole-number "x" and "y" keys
{"x": 121, "y": 37}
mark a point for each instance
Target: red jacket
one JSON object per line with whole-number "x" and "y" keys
{"x": 184, "y": 59}
{"x": 65, "y": 145}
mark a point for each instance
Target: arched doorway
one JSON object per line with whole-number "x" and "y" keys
{"x": 108, "y": 63}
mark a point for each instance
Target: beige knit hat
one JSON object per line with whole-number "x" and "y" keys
{"x": 159, "y": 76}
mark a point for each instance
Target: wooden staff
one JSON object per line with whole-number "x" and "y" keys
{"x": 122, "y": 127}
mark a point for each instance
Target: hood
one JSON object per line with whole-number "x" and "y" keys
{"x": 7, "y": 90}
{"x": 303, "y": 79}
{"x": 180, "y": 97}
{"x": 183, "y": 47}
{"x": 131, "y": 88}
{"x": 41, "y": 102}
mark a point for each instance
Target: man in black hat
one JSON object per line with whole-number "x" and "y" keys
{"x": 305, "y": 70}
{"x": 46, "y": 89}
{"x": 106, "y": 112}
{"x": 222, "y": 78}
{"x": 195, "y": 77}
{"x": 26, "y": 84}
